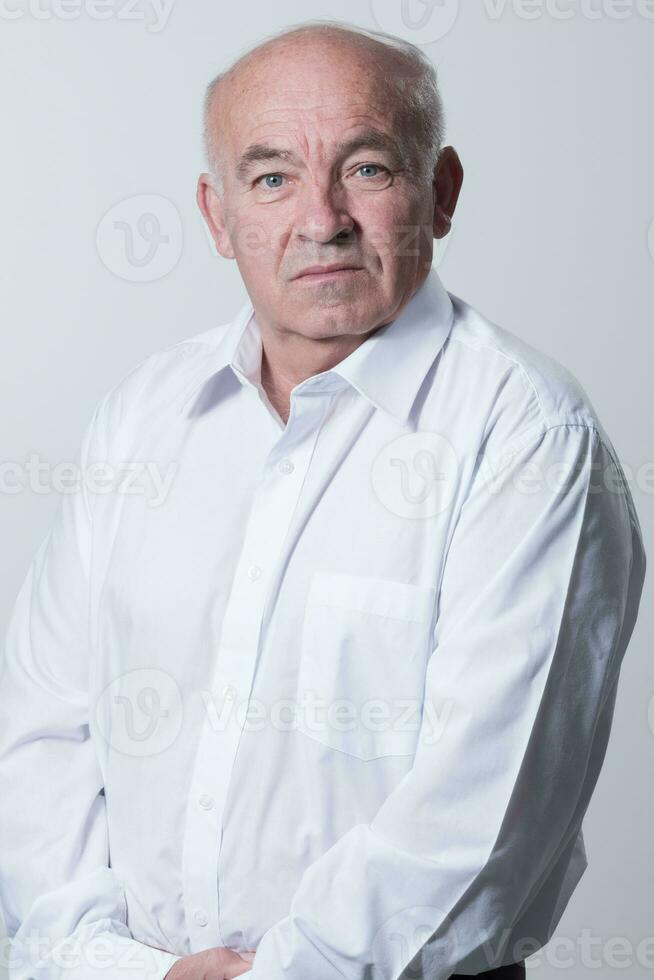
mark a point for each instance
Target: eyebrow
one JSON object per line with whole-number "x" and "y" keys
{"x": 373, "y": 139}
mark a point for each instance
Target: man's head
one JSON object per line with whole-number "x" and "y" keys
{"x": 324, "y": 148}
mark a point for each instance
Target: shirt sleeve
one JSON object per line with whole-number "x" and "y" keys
{"x": 64, "y": 909}
{"x": 538, "y": 599}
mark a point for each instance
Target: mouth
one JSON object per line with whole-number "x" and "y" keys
{"x": 328, "y": 273}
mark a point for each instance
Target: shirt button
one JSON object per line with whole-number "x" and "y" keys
{"x": 286, "y": 466}
{"x": 200, "y": 917}
{"x": 229, "y": 691}
{"x": 206, "y": 801}
{"x": 254, "y": 572}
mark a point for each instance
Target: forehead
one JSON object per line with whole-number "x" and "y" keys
{"x": 318, "y": 86}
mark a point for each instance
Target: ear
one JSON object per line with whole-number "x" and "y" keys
{"x": 213, "y": 212}
{"x": 448, "y": 177}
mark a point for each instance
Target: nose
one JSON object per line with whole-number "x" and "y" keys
{"x": 322, "y": 217}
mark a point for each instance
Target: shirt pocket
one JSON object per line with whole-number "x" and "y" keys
{"x": 363, "y": 656}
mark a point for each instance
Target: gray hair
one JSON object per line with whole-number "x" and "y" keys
{"x": 418, "y": 91}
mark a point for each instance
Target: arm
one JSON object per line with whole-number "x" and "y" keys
{"x": 63, "y": 906}
{"x": 538, "y": 600}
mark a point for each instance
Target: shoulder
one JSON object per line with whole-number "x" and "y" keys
{"x": 155, "y": 384}
{"x": 522, "y": 390}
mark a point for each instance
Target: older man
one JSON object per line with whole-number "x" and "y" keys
{"x": 337, "y": 706}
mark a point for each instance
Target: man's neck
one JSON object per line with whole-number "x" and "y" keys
{"x": 279, "y": 395}
{"x": 289, "y": 361}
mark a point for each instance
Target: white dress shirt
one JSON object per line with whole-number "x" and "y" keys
{"x": 342, "y": 691}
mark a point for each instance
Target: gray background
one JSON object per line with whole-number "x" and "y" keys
{"x": 549, "y": 106}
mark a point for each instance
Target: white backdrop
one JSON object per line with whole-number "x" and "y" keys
{"x": 549, "y": 105}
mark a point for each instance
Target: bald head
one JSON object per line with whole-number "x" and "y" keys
{"x": 402, "y": 75}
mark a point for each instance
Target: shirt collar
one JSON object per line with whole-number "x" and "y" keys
{"x": 387, "y": 368}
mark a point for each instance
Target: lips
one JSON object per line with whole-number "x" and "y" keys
{"x": 316, "y": 270}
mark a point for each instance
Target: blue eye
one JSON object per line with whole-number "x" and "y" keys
{"x": 371, "y": 166}
{"x": 268, "y": 177}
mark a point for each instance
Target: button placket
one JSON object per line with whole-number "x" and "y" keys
{"x": 273, "y": 506}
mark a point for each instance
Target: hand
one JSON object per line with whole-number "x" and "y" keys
{"x": 217, "y": 963}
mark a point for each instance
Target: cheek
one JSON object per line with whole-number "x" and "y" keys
{"x": 392, "y": 226}
{"x": 259, "y": 239}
